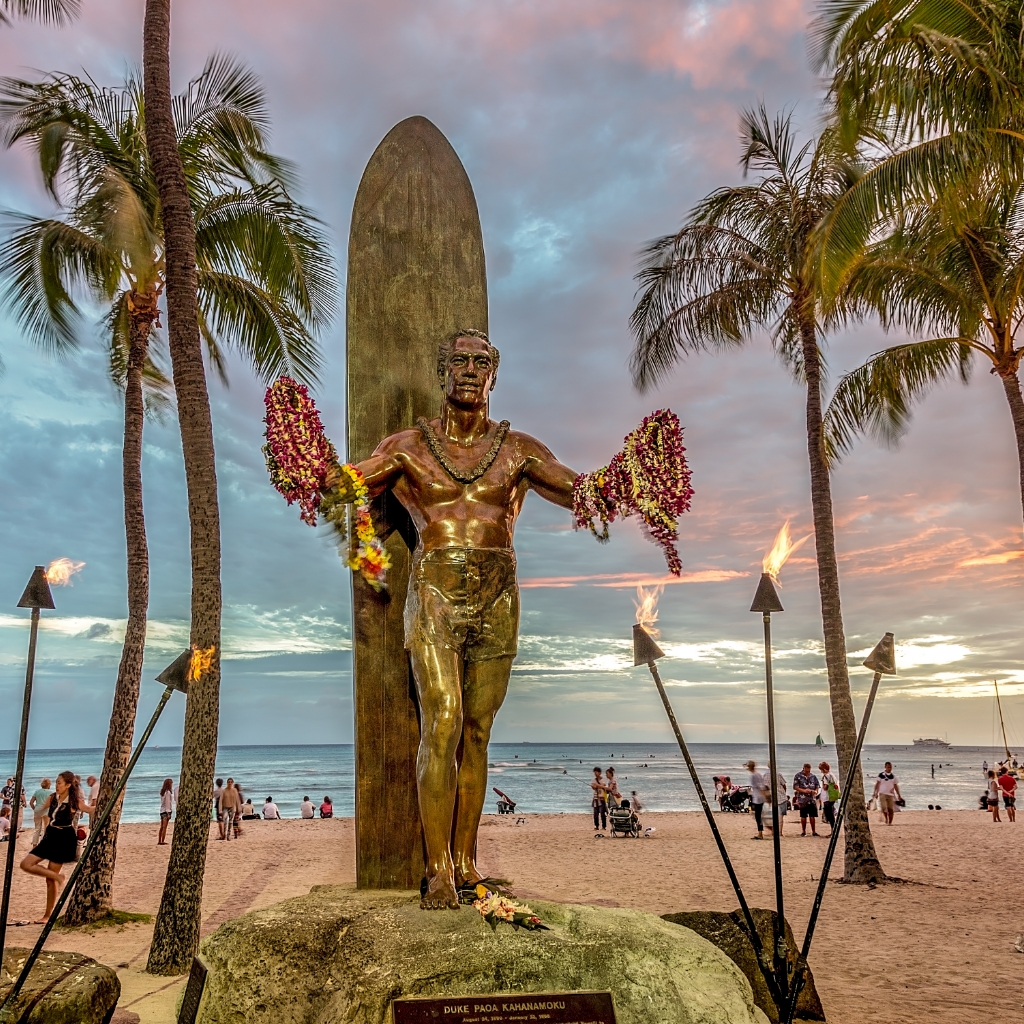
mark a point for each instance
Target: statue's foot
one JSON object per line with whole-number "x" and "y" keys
{"x": 440, "y": 894}
{"x": 467, "y": 878}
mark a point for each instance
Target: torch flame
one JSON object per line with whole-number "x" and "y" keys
{"x": 776, "y": 557}
{"x": 647, "y": 608}
{"x": 199, "y": 663}
{"x": 60, "y": 571}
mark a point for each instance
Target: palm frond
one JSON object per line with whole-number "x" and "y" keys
{"x": 49, "y": 12}
{"x": 42, "y": 264}
{"x": 263, "y": 328}
{"x": 877, "y": 397}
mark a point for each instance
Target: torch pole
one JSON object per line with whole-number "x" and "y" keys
{"x": 755, "y": 938}
{"x": 12, "y": 835}
{"x": 93, "y": 836}
{"x": 779, "y": 924}
{"x": 833, "y": 842}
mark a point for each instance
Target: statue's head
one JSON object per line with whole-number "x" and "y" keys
{"x": 467, "y": 366}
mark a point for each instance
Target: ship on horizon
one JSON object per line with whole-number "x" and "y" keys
{"x": 933, "y": 743}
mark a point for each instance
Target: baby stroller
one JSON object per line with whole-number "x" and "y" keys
{"x": 624, "y": 822}
{"x": 738, "y": 801}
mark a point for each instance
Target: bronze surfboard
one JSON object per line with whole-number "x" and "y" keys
{"x": 415, "y": 274}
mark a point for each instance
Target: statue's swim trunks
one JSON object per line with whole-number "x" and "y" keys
{"x": 466, "y": 599}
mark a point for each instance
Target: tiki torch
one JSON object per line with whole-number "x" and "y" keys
{"x": 36, "y": 596}
{"x": 882, "y": 661}
{"x": 175, "y": 677}
{"x": 766, "y": 601}
{"x": 647, "y": 652}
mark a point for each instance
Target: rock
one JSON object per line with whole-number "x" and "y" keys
{"x": 729, "y": 934}
{"x": 341, "y": 954}
{"x": 62, "y": 988}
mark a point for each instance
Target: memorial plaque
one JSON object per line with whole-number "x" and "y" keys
{"x": 504, "y": 1008}
{"x": 193, "y": 992}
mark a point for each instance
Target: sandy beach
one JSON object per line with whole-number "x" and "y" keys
{"x": 935, "y": 947}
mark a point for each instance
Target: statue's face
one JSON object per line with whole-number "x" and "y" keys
{"x": 470, "y": 372}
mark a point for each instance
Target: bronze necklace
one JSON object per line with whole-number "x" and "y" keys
{"x": 474, "y": 474}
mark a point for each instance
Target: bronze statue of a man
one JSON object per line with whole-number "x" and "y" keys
{"x": 463, "y": 479}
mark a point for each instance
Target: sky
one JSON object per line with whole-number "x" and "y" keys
{"x": 587, "y": 127}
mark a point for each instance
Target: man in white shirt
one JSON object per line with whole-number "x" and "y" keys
{"x": 93, "y": 783}
{"x": 270, "y": 811}
{"x": 887, "y": 789}
{"x": 758, "y": 784}
{"x": 307, "y": 809}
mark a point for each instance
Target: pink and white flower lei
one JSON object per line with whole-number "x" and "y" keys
{"x": 649, "y": 478}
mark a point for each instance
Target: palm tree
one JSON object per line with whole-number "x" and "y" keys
{"x": 934, "y": 89}
{"x": 744, "y": 261}
{"x": 265, "y": 286}
{"x": 952, "y": 269}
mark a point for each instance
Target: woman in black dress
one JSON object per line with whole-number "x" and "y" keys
{"x": 59, "y": 844}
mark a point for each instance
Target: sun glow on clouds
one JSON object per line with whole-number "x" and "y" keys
{"x": 624, "y": 580}
{"x": 928, "y": 650}
{"x": 999, "y": 558}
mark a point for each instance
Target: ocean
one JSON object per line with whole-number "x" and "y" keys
{"x": 541, "y": 777}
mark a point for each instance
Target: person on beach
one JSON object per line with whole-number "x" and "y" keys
{"x": 230, "y": 808}
{"x": 611, "y": 786}
{"x": 993, "y": 795}
{"x": 249, "y": 813}
{"x": 5, "y": 823}
{"x": 218, "y": 792}
{"x": 1008, "y": 784}
{"x": 599, "y": 801}
{"x": 270, "y": 810}
{"x": 758, "y": 788}
{"x": 59, "y": 845}
{"x": 93, "y": 796}
{"x": 783, "y": 789}
{"x": 327, "y": 808}
{"x": 166, "y": 809}
{"x": 805, "y": 794}
{"x": 7, "y": 792}
{"x": 887, "y": 789}
{"x": 307, "y": 810}
{"x": 637, "y": 806}
{"x": 38, "y": 803}
{"x": 830, "y": 794}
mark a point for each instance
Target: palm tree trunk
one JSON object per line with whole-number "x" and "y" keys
{"x": 176, "y": 933}
{"x": 861, "y": 862}
{"x": 93, "y": 896}
{"x": 1011, "y": 385}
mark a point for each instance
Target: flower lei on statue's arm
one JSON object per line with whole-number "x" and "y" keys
{"x": 299, "y": 459}
{"x": 649, "y": 477}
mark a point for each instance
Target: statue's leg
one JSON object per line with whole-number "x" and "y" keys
{"x": 438, "y": 674}
{"x": 482, "y": 694}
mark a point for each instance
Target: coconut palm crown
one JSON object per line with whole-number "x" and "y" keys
{"x": 746, "y": 261}
{"x": 932, "y": 91}
{"x": 951, "y": 270}
{"x": 265, "y": 279}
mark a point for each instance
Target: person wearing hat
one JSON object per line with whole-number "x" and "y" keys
{"x": 758, "y": 785}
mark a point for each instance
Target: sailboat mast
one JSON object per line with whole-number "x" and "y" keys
{"x": 1002, "y": 724}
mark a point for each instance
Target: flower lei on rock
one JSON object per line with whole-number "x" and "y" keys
{"x": 493, "y": 907}
{"x": 649, "y": 477}
{"x": 300, "y": 457}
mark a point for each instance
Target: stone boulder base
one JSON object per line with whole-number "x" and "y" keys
{"x": 62, "y": 988}
{"x": 725, "y": 931}
{"x": 342, "y": 955}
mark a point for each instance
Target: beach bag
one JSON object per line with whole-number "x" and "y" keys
{"x": 832, "y": 792}
{"x": 82, "y": 836}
